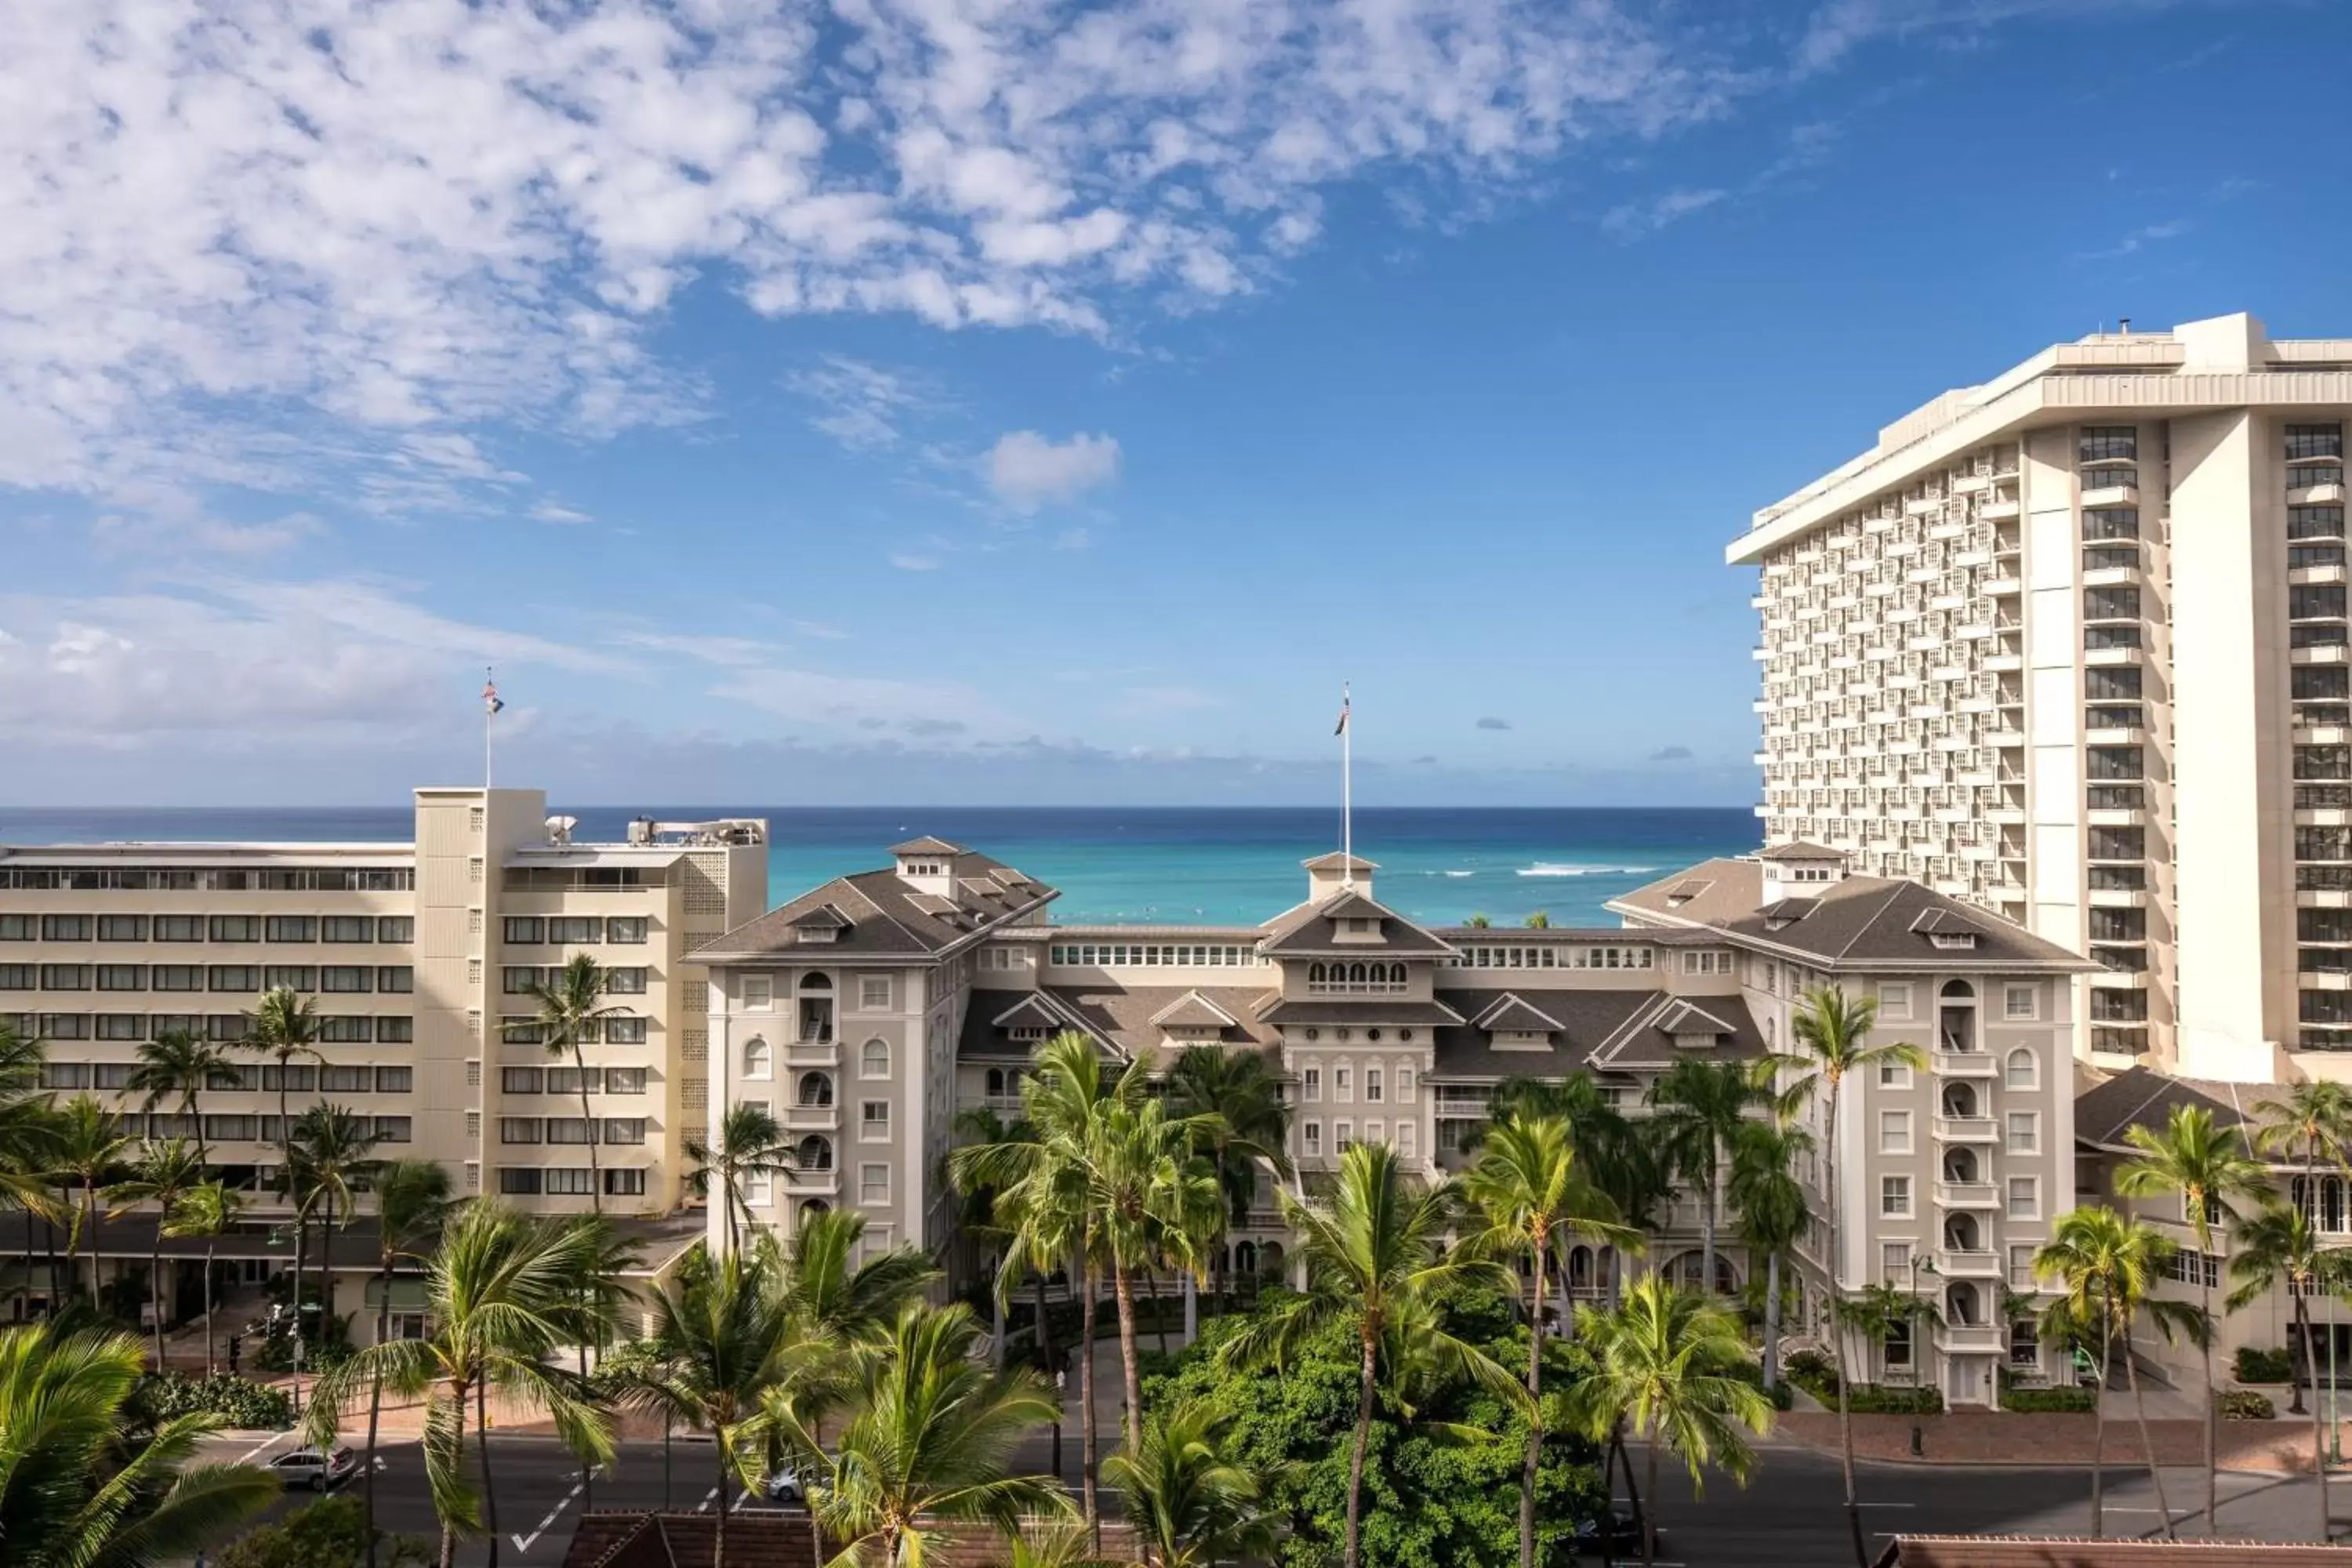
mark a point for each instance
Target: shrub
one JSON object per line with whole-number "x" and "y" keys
{"x": 2256, "y": 1364}
{"x": 1894, "y": 1399}
{"x": 1752, "y": 1372}
{"x": 329, "y": 1533}
{"x": 2245, "y": 1405}
{"x": 2059, "y": 1397}
{"x": 241, "y": 1404}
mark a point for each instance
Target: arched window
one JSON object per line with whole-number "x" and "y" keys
{"x": 816, "y": 1088}
{"x": 817, "y": 982}
{"x": 815, "y": 1153}
{"x": 1396, "y": 974}
{"x": 814, "y": 1206}
{"x": 1770, "y": 1031}
{"x": 996, "y": 1083}
{"x": 1315, "y": 975}
{"x": 874, "y": 1059}
{"x": 1959, "y": 991}
{"x": 758, "y": 1059}
{"x": 2020, "y": 1071}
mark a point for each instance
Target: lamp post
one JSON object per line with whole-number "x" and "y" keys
{"x": 1920, "y": 1264}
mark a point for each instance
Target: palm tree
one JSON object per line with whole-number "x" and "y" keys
{"x": 2280, "y": 1244}
{"x": 1372, "y": 1254}
{"x": 2109, "y": 1266}
{"x": 1191, "y": 1505}
{"x": 1874, "y": 1311}
{"x": 332, "y": 1155}
{"x": 412, "y": 1204}
{"x": 1150, "y": 1195}
{"x": 1770, "y": 1203}
{"x": 571, "y": 1014}
{"x": 209, "y": 1209}
{"x": 1700, "y": 1110}
{"x": 87, "y": 1147}
{"x": 842, "y": 1300}
{"x": 929, "y": 1439}
{"x": 2312, "y": 1120}
{"x": 1529, "y": 1190}
{"x": 177, "y": 1065}
{"x": 77, "y": 1488}
{"x": 1831, "y": 1032}
{"x": 750, "y": 1145}
{"x": 285, "y": 1028}
{"x": 500, "y": 1300}
{"x": 1236, "y": 1098}
{"x": 2211, "y": 1170}
{"x": 1666, "y": 1363}
{"x": 165, "y": 1173}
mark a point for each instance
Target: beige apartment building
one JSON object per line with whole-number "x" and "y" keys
{"x": 867, "y": 1012}
{"x": 2071, "y": 645}
{"x": 416, "y": 953}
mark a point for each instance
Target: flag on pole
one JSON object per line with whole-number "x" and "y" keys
{"x": 1345, "y": 700}
{"x": 492, "y": 702}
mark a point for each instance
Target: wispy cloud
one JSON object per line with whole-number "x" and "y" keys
{"x": 862, "y": 406}
{"x": 1026, "y": 471}
{"x": 1492, "y": 724}
{"x": 1637, "y": 220}
{"x": 2139, "y": 239}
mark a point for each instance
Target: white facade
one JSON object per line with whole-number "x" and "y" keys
{"x": 2071, "y": 645}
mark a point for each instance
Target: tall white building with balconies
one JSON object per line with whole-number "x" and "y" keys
{"x": 2071, "y": 645}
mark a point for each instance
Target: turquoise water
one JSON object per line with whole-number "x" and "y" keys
{"x": 1221, "y": 866}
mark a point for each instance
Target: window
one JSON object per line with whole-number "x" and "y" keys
{"x": 18, "y": 976}
{"x": 2019, "y": 1001}
{"x": 2024, "y": 1343}
{"x": 1893, "y": 1260}
{"x": 626, "y": 980}
{"x": 233, "y": 977}
{"x": 346, "y": 927}
{"x": 292, "y": 927}
{"x": 395, "y": 977}
{"x": 571, "y": 1129}
{"x": 625, "y": 1081}
{"x": 395, "y": 1080}
{"x": 391, "y": 1031}
{"x": 2109, "y": 444}
{"x": 346, "y": 1029}
{"x": 574, "y": 929}
{"x": 236, "y": 928}
{"x": 1310, "y": 1083}
{"x": 345, "y": 1080}
{"x": 2024, "y": 1197}
{"x": 1894, "y": 999}
{"x": 1894, "y": 1196}
{"x": 628, "y": 1184}
{"x": 1371, "y": 1086}
{"x": 873, "y": 1184}
{"x": 1894, "y": 1074}
{"x": 516, "y": 1181}
{"x": 525, "y": 931}
{"x": 1310, "y": 1135}
{"x": 516, "y": 979}
{"x": 1342, "y": 1085}
{"x": 396, "y": 928}
{"x": 346, "y": 979}
{"x": 874, "y": 992}
{"x": 65, "y": 1025}
{"x": 121, "y": 1027}
{"x": 2021, "y": 1268}
{"x": 572, "y": 1080}
{"x": 570, "y": 1183}
{"x": 624, "y": 1130}
{"x": 519, "y": 1130}
{"x": 625, "y": 1031}
{"x": 759, "y": 994}
{"x": 758, "y": 1189}
{"x": 179, "y": 928}
{"x": 629, "y": 930}
{"x": 759, "y": 1059}
{"x": 122, "y": 928}
{"x": 874, "y": 1120}
{"x": 874, "y": 1059}
{"x": 1894, "y": 1133}
{"x": 1898, "y": 1345}
{"x": 123, "y": 978}
{"x": 65, "y": 1075}
{"x": 290, "y": 977}
{"x": 1404, "y": 1086}
{"x": 1404, "y": 1138}
{"x": 67, "y": 928}
{"x": 1343, "y": 1136}
{"x": 2024, "y": 1132}
{"x": 65, "y": 977}
{"x": 20, "y": 928}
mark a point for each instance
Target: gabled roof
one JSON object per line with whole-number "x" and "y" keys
{"x": 1122, "y": 1020}
{"x": 824, "y": 916}
{"x": 1312, "y": 930}
{"x": 1797, "y": 849}
{"x": 1512, "y": 1014}
{"x": 1582, "y": 1020}
{"x": 875, "y": 914}
{"x": 1685, "y": 1016}
{"x": 1337, "y": 861}
{"x": 2139, "y": 1097}
{"x": 1946, "y": 922}
{"x": 1858, "y": 923}
{"x": 1029, "y": 1013}
{"x": 1647, "y": 1038}
{"x": 1194, "y": 1011}
{"x": 926, "y": 846}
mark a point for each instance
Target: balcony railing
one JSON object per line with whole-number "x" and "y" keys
{"x": 1966, "y": 1129}
{"x": 1968, "y": 1265}
{"x": 1967, "y": 1064}
{"x": 1356, "y": 987}
{"x": 1969, "y": 1337}
{"x": 1966, "y": 1195}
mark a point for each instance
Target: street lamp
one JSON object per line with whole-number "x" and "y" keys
{"x": 1920, "y": 1264}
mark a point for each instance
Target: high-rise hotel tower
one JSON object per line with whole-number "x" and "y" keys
{"x": 2071, "y": 645}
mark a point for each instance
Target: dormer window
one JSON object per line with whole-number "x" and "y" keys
{"x": 1953, "y": 939}
{"x": 1025, "y": 1034}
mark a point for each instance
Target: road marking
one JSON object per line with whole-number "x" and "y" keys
{"x": 263, "y": 1447}
{"x": 524, "y": 1543}
{"x": 708, "y": 1499}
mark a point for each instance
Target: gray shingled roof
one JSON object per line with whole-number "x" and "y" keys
{"x": 1513, "y": 1013}
{"x": 2140, "y": 1097}
{"x": 926, "y": 846}
{"x": 1797, "y": 849}
{"x": 1586, "y": 1019}
{"x": 886, "y": 918}
{"x": 1371, "y": 1013}
{"x": 1120, "y": 1018}
{"x": 1861, "y": 923}
{"x": 1193, "y": 1011}
{"x": 1312, "y": 930}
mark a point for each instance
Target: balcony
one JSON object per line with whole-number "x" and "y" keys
{"x": 1955, "y": 1265}
{"x": 2110, "y": 495}
{"x": 810, "y": 1053}
{"x": 1966, "y": 1195}
{"x": 1966, "y": 1063}
{"x": 1969, "y": 1338}
{"x": 1966, "y": 1129}
{"x": 1384, "y": 987}
{"x": 1464, "y": 1105}
{"x": 2106, "y": 656}
{"x": 2317, "y": 495}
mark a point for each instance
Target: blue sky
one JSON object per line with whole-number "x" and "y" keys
{"x": 946, "y": 401}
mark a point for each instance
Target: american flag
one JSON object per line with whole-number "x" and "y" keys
{"x": 491, "y": 702}
{"x": 1345, "y": 701}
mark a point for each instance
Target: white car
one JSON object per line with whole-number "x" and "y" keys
{"x": 785, "y": 1486}
{"x": 310, "y": 1468}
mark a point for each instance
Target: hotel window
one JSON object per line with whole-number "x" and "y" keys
{"x": 874, "y": 992}
{"x": 2314, "y": 441}
{"x": 759, "y": 994}
{"x": 20, "y": 928}
{"x": 569, "y": 1182}
{"x": 759, "y": 1059}
{"x": 1893, "y": 1000}
{"x": 233, "y": 977}
{"x": 571, "y": 1129}
{"x": 1898, "y": 1345}
{"x": 345, "y": 1080}
{"x": 2024, "y": 1132}
{"x": 65, "y": 977}
{"x": 395, "y": 1080}
{"x": 626, "y": 980}
{"x": 1894, "y": 1133}
{"x": 629, "y": 1183}
{"x": 624, "y": 1130}
{"x": 2021, "y": 1268}
{"x": 68, "y": 928}
{"x": 1894, "y": 1074}
{"x": 516, "y": 979}
{"x": 1343, "y": 1089}
{"x": 1311, "y": 1139}
{"x": 121, "y": 977}
{"x": 625, "y": 1081}
{"x": 2024, "y": 1197}
{"x": 1343, "y": 1136}
{"x": 121, "y": 1027}
{"x": 1371, "y": 1086}
{"x": 292, "y": 927}
{"x": 346, "y": 929}
{"x": 346, "y": 1029}
{"x": 2109, "y": 444}
{"x": 290, "y": 977}
{"x": 348, "y": 979}
{"x": 1893, "y": 1260}
{"x": 519, "y": 1130}
{"x": 519, "y": 1182}
{"x": 1310, "y": 1083}
{"x": 2018, "y": 1002}
{"x": 874, "y": 1059}
{"x": 1404, "y": 1086}
{"x": 236, "y": 928}
{"x": 758, "y": 1189}
{"x": 627, "y": 931}
{"x": 113, "y": 1074}
{"x": 1894, "y": 1196}
{"x": 122, "y": 928}
{"x": 390, "y": 1031}
{"x": 65, "y": 1025}
{"x": 572, "y": 1080}
{"x": 1405, "y": 1139}
{"x": 874, "y": 1120}
{"x": 18, "y": 976}
{"x": 625, "y": 1031}
{"x": 179, "y": 928}
{"x": 1376, "y": 1131}
{"x": 395, "y": 977}
{"x": 873, "y": 1183}
{"x": 396, "y": 928}
{"x": 574, "y": 929}
{"x": 525, "y": 931}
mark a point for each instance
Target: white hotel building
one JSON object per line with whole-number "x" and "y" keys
{"x": 2071, "y": 645}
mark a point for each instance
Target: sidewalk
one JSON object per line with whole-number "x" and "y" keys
{"x": 1999, "y": 1437}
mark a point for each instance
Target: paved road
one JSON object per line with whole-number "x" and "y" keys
{"x": 1790, "y": 1513}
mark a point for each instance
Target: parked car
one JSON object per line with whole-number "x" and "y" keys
{"x": 310, "y": 1468}
{"x": 785, "y": 1486}
{"x": 1616, "y": 1533}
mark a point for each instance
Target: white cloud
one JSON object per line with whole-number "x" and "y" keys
{"x": 2140, "y": 239}
{"x": 551, "y": 511}
{"x": 911, "y": 561}
{"x": 720, "y": 650}
{"x": 386, "y": 222}
{"x": 920, "y": 708}
{"x": 1632, "y": 220}
{"x": 819, "y": 630}
{"x": 1026, "y": 471}
{"x": 863, "y": 404}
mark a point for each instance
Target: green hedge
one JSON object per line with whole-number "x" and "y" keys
{"x": 2058, "y": 1397}
{"x": 2256, "y": 1364}
{"x": 244, "y": 1404}
{"x": 2245, "y": 1405}
{"x": 1813, "y": 1375}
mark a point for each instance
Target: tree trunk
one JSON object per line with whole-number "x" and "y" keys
{"x": 489, "y": 1496}
{"x": 2146, "y": 1447}
{"x": 89, "y": 1206}
{"x": 2318, "y": 1444}
{"x": 1707, "y": 1225}
{"x": 1123, "y": 1292}
{"x": 1837, "y": 1335}
{"x": 1772, "y": 1319}
{"x": 301, "y": 1245}
{"x": 1363, "y": 1437}
{"x": 2099, "y": 1433}
{"x": 1649, "y": 1525}
{"x": 1617, "y": 1457}
{"x": 1086, "y": 1394}
{"x": 719, "y": 1542}
{"x": 457, "y": 1466}
{"x": 1053, "y": 1370}
{"x": 375, "y": 1399}
{"x": 596, "y": 1176}
{"x": 1535, "y": 1418}
{"x": 210, "y": 1243}
{"x": 155, "y": 1286}
{"x": 2212, "y": 1404}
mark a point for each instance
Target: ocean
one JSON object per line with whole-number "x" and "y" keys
{"x": 1239, "y": 866}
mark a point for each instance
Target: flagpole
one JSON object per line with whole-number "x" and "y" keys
{"x": 1346, "y": 787}
{"x": 490, "y": 725}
